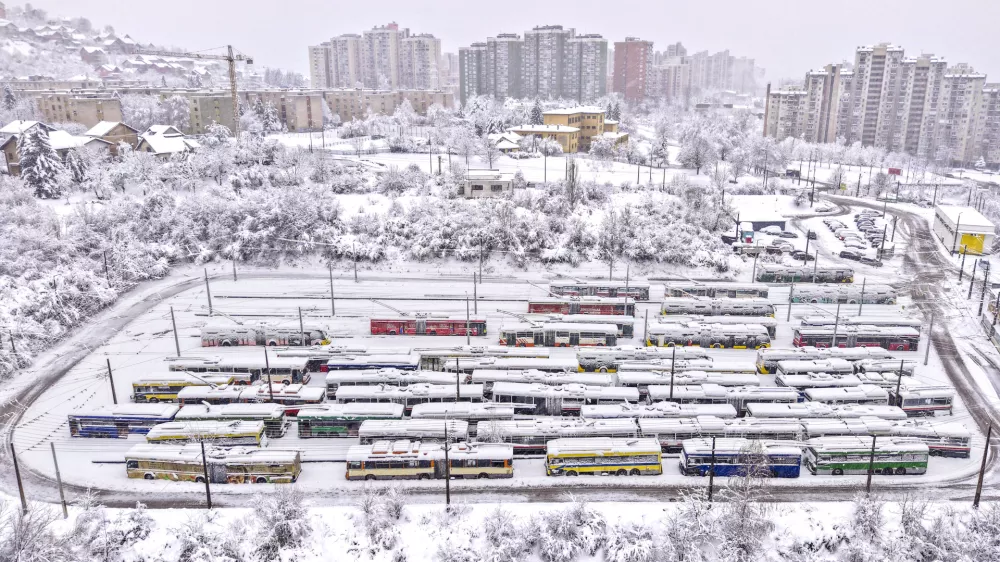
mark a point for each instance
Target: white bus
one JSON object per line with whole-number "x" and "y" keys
{"x": 861, "y": 394}
{"x": 434, "y": 431}
{"x": 716, "y": 307}
{"x": 119, "y": 421}
{"x": 718, "y": 336}
{"x": 625, "y": 324}
{"x": 409, "y": 396}
{"x": 638, "y": 290}
{"x": 621, "y": 457}
{"x": 391, "y": 377}
{"x": 472, "y": 412}
{"x": 559, "y": 335}
{"x": 385, "y": 460}
{"x": 343, "y": 420}
{"x": 816, "y": 380}
{"x": 769, "y": 323}
{"x": 238, "y": 465}
{"x": 487, "y": 377}
{"x": 888, "y": 321}
{"x": 828, "y": 366}
{"x": 547, "y": 364}
{"x": 909, "y": 367}
{"x": 607, "y": 359}
{"x": 842, "y": 293}
{"x": 273, "y": 415}
{"x": 671, "y": 433}
{"x": 918, "y": 399}
{"x": 737, "y": 396}
{"x": 292, "y": 397}
{"x": 264, "y": 333}
{"x": 530, "y": 436}
{"x": 561, "y": 400}
{"x": 709, "y": 366}
{"x": 369, "y": 362}
{"x": 642, "y": 379}
{"x": 656, "y": 410}
{"x": 221, "y": 433}
{"x": 716, "y": 290}
{"x": 437, "y": 358}
{"x": 818, "y": 410}
{"x": 284, "y": 370}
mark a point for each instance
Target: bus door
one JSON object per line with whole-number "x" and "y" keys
{"x": 217, "y": 473}
{"x": 611, "y": 341}
{"x": 741, "y": 342}
{"x": 512, "y": 338}
{"x": 421, "y": 326}
{"x": 439, "y": 468}
{"x": 574, "y": 338}
{"x": 574, "y": 308}
{"x": 550, "y": 338}
{"x": 539, "y": 339}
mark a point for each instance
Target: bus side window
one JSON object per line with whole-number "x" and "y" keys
{"x": 132, "y": 464}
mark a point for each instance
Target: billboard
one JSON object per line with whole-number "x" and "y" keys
{"x": 895, "y": 171}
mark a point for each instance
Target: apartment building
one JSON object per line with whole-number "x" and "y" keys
{"x": 923, "y": 78}
{"x": 472, "y": 72}
{"x": 822, "y": 104}
{"x": 962, "y": 93}
{"x": 69, "y": 107}
{"x": 345, "y": 61}
{"x": 350, "y": 103}
{"x": 320, "y": 66}
{"x": 588, "y": 120}
{"x": 420, "y": 62}
{"x": 380, "y": 48}
{"x": 989, "y": 124}
{"x": 546, "y": 50}
{"x": 671, "y": 79}
{"x": 785, "y": 112}
{"x": 504, "y": 63}
{"x": 585, "y": 68}
{"x": 208, "y": 108}
{"x": 633, "y": 66}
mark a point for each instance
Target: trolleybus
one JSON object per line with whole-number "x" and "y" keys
{"x": 656, "y": 410}
{"x": 737, "y": 396}
{"x": 416, "y": 460}
{"x": 804, "y": 367}
{"x": 221, "y": 433}
{"x": 769, "y": 323}
{"x": 642, "y": 379}
{"x": 427, "y": 326}
{"x": 893, "y": 339}
{"x": 720, "y": 336}
{"x": 767, "y": 359}
{"x": 343, "y": 420}
{"x": 949, "y": 439}
{"x": 436, "y": 358}
{"x": 861, "y": 394}
{"x": 607, "y": 360}
{"x": 558, "y": 335}
{"x": 922, "y": 400}
{"x": 671, "y": 433}
{"x": 530, "y": 436}
{"x": 285, "y": 370}
{"x": 238, "y": 465}
{"x": 120, "y": 421}
{"x": 369, "y": 362}
{"x": 739, "y": 457}
{"x": 487, "y": 377}
{"x": 819, "y": 410}
{"x": 582, "y": 305}
{"x": 770, "y": 273}
{"x": 563, "y": 400}
{"x": 391, "y": 377}
{"x": 273, "y": 415}
{"x": 853, "y": 455}
{"x": 634, "y": 289}
{"x": 596, "y": 455}
{"x": 716, "y": 290}
{"x": 436, "y": 431}
{"x": 693, "y": 306}
{"x": 410, "y": 396}
{"x": 547, "y": 364}
{"x": 843, "y": 293}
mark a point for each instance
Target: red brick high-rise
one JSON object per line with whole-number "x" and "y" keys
{"x": 633, "y": 63}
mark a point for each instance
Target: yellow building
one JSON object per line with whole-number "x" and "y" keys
{"x": 589, "y": 119}
{"x": 567, "y": 137}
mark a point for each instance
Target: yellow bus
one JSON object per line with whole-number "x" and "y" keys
{"x": 403, "y": 459}
{"x": 239, "y": 465}
{"x": 164, "y": 387}
{"x": 601, "y": 455}
{"x": 224, "y": 433}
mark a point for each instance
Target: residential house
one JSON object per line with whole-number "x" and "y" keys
{"x": 506, "y": 142}
{"x": 114, "y": 132}
{"x": 567, "y": 137}
{"x": 164, "y": 141}
{"x": 61, "y": 141}
{"x": 15, "y": 128}
{"x": 589, "y": 120}
{"x": 486, "y": 183}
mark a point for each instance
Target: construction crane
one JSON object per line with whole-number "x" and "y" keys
{"x": 229, "y": 57}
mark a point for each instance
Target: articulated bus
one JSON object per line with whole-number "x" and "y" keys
{"x": 436, "y": 431}
{"x": 559, "y": 335}
{"x": 239, "y": 465}
{"x": 907, "y": 367}
{"x": 642, "y": 379}
{"x": 821, "y": 293}
{"x": 487, "y": 377}
{"x": 861, "y": 394}
{"x": 166, "y": 386}
{"x": 625, "y": 324}
{"x": 120, "y": 421}
{"x": 292, "y": 397}
{"x": 391, "y": 377}
{"x": 472, "y": 412}
{"x": 437, "y": 358}
{"x": 852, "y": 455}
{"x": 417, "y": 460}
{"x": 264, "y": 333}
{"x": 273, "y": 415}
{"x": 716, "y": 307}
{"x": 738, "y": 457}
{"x": 719, "y": 336}
{"x": 737, "y": 396}
{"x": 633, "y": 289}
{"x": 409, "y": 396}
{"x": 343, "y": 420}
{"x": 530, "y": 436}
{"x": 606, "y": 360}
{"x": 666, "y": 410}
{"x": 770, "y": 273}
{"x": 582, "y": 305}
{"x": 427, "y": 326}
{"x": 597, "y": 455}
{"x": 369, "y": 362}
{"x": 886, "y": 321}
{"x": 284, "y": 370}
{"x": 220, "y": 433}
{"x": 829, "y": 366}
{"x": 949, "y": 439}
{"x": 672, "y": 433}
{"x": 716, "y": 290}
{"x": 546, "y": 364}
{"x": 564, "y": 400}
{"x": 819, "y": 410}
{"x": 767, "y": 359}
{"x": 317, "y": 356}
{"x": 805, "y": 381}
{"x": 706, "y": 365}
{"x": 769, "y": 323}
{"x": 917, "y": 399}
{"x": 893, "y": 339}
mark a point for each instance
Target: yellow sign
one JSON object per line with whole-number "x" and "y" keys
{"x": 843, "y": 186}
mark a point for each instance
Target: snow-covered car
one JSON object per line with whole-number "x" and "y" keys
{"x": 788, "y": 234}
{"x": 772, "y": 230}
{"x": 802, "y": 256}
{"x": 850, "y": 255}
{"x": 870, "y": 261}
{"x": 825, "y": 208}
{"x": 855, "y": 244}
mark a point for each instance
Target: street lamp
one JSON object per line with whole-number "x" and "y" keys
{"x": 954, "y": 242}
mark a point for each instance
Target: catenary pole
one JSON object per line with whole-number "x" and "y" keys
{"x": 711, "y": 473}
{"x": 447, "y": 468}
{"x": 673, "y": 362}
{"x": 468, "y": 337}
{"x": 930, "y": 333}
{"x": 62, "y": 495}
{"x": 177, "y": 341}
{"x": 861, "y": 301}
{"x": 836, "y": 325}
{"x": 972, "y": 281}
{"x": 791, "y": 291}
{"x": 982, "y": 468}
{"x": 267, "y": 367}
{"x": 871, "y": 467}
{"x": 204, "y": 472}
{"x": 645, "y": 329}
{"x": 234, "y": 271}
{"x": 982, "y": 294}
{"x": 208, "y": 291}
{"x": 302, "y": 329}
{"x": 333, "y": 302}
{"x": 111, "y": 379}
{"x": 458, "y": 383}
{"x": 17, "y": 475}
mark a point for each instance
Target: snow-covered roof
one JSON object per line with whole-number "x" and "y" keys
{"x": 162, "y": 130}
{"x": 509, "y": 135}
{"x": 61, "y": 140}
{"x": 613, "y": 136}
{"x": 19, "y": 127}
{"x": 169, "y": 144}
{"x": 964, "y": 216}
{"x": 105, "y": 127}
{"x": 507, "y": 145}
{"x": 93, "y": 50}
{"x": 545, "y": 129}
{"x": 574, "y": 110}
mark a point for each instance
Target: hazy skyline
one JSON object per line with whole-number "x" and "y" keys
{"x": 784, "y": 37}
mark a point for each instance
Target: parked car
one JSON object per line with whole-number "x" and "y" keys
{"x": 773, "y": 230}
{"x": 788, "y": 234}
{"x": 825, "y": 208}
{"x": 850, "y": 255}
{"x": 855, "y": 244}
{"x": 774, "y": 250}
{"x": 811, "y": 235}
{"x": 802, "y": 256}
{"x": 870, "y": 261}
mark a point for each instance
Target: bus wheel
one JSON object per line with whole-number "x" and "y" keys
{"x": 838, "y": 472}
{"x": 226, "y": 344}
{"x": 602, "y": 370}
{"x": 261, "y": 480}
{"x": 154, "y": 400}
{"x": 148, "y": 476}
{"x": 199, "y": 479}
{"x": 901, "y": 470}
{"x": 671, "y": 344}
{"x": 286, "y": 382}
{"x": 621, "y": 472}
{"x": 371, "y": 476}
{"x": 571, "y": 473}
{"x": 634, "y": 472}
{"x": 423, "y": 477}
{"x": 483, "y": 475}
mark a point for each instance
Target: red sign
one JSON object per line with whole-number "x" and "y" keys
{"x": 895, "y": 171}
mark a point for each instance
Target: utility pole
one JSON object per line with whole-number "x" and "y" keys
{"x": 234, "y": 271}
{"x": 899, "y": 384}
{"x": 881, "y": 248}
{"x": 973, "y": 280}
{"x": 871, "y": 467}
{"x": 208, "y": 291}
{"x": 996, "y": 309}
{"x": 791, "y": 291}
{"x": 302, "y": 329}
{"x": 267, "y": 367}
{"x": 468, "y": 338}
{"x": 673, "y": 363}
{"x": 447, "y": 469}
{"x": 475, "y": 294}
{"x": 645, "y": 330}
{"x": 17, "y": 475}
{"x": 930, "y": 332}
{"x": 755, "y": 256}
{"x": 177, "y": 341}
{"x": 333, "y": 303}
{"x": 982, "y": 295}
{"x": 107, "y": 274}
{"x": 354, "y": 254}
{"x": 204, "y": 472}
{"x": 114, "y": 397}
{"x": 961, "y": 270}
{"x": 62, "y": 495}
{"x": 815, "y": 266}
{"x": 711, "y": 473}
{"x": 836, "y": 325}
{"x": 628, "y": 266}
{"x": 982, "y": 468}
{"x": 861, "y": 301}
{"x": 458, "y": 383}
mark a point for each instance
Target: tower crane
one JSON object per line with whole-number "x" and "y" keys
{"x": 230, "y": 57}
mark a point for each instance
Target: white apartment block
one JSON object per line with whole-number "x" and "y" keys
{"x": 877, "y": 95}
{"x": 585, "y": 68}
{"x": 671, "y": 79}
{"x": 380, "y": 47}
{"x": 472, "y": 67}
{"x": 785, "y": 113}
{"x": 821, "y": 104}
{"x": 988, "y": 132}
{"x": 923, "y": 78}
{"x": 504, "y": 63}
{"x": 420, "y": 62}
{"x": 962, "y": 93}
{"x": 545, "y": 54}
{"x": 320, "y": 70}
{"x": 345, "y": 61}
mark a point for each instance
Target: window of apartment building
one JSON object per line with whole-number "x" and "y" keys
{"x": 477, "y": 188}
{"x": 496, "y": 188}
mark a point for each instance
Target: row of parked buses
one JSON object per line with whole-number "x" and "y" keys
{"x": 717, "y": 336}
{"x": 893, "y": 338}
{"x": 232, "y": 334}
{"x": 771, "y": 273}
{"x": 844, "y": 294}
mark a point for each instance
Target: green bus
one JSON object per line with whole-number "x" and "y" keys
{"x": 343, "y": 420}
{"x": 853, "y": 455}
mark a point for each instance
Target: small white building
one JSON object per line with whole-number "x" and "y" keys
{"x": 963, "y": 229}
{"x": 486, "y": 183}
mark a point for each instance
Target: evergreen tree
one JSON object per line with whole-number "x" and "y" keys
{"x": 9, "y": 99}
{"x": 616, "y": 112}
{"x": 536, "y": 113}
{"x": 40, "y": 165}
{"x": 77, "y": 166}
{"x": 609, "y": 110}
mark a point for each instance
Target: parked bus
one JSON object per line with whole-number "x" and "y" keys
{"x": 885, "y": 321}
{"x": 487, "y": 377}
{"x": 642, "y": 379}
{"x": 273, "y": 415}
{"x": 582, "y": 305}
{"x": 472, "y": 412}
{"x": 607, "y": 360}
{"x": 561, "y": 400}
{"x": 708, "y": 366}
{"x": 597, "y": 455}
{"x": 635, "y": 289}
{"x": 893, "y": 339}
{"x": 719, "y": 336}
{"x": 769, "y": 323}
{"x": 228, "y": 394}
{"x": 547, "y": 364}
{"x": 435, "y": 431}
{"x": 410, "y": 396}
{"x": 861, "y": 394}
{"x": 701, "y": 306}
{"x": 853, "y": 455}
{"x": 427, "y": 326}
{"x": 163, "y": 387}
{"x": 391, "y": 377}
{"x": 369, "y": 362}
{"x": 737, "y": 396}
{"x": 819, "y": 410}
{"x": 771, "y": 273}
{"x": 806, "y": 381}
{"x": 943, "y": 439}
{"x": 263, "y": 333}
{"x": 922, "y": 400}
{"x": 317, "y": 356}
{"x": 821, "y": 293}
{"x": 530, "y": 436}
{"x": 828, "y": 366}
{"x": 739, "y": 457}
{"x": 239, "y": 465}
{"x": 907, "y": 367}
{"x": 436, "y": 359}
{"x": 343, "y": 420}
{"x": 767, "y": 359}
{"x": 558, "y": 335}
{"x": 625, "y": 324}
{"x": 293, "y": 397}
{"x": 243, "y": 370}
{"x": 671, "y": 433}
{"x": 716, "y": 290}
{"x": 416, "y": 460}
{"x": 119, "y": 421}
{"x": 656, "y": 410}
{"x": 221, "y": 433}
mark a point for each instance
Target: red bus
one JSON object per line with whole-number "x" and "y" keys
{"x": 427, "y": 327}
{"x": 891, "y": 338}
{"x": 609, "y": 306}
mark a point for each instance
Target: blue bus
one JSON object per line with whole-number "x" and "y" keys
{"x": 368, "y": 362}
{"x": 120, "y": 421}
{"x": 739, "y": 457}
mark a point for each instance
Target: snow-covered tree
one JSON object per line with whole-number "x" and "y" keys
{"x": 139, "y": 111}
{"x": 173, "y": 111}
{"x": 282, "y": 521}
{"x": 602, "y": 148}
{"x": 610, "y": 241}
{"x": 536, "y": 113}
{"x": 9, "y": 99}
{"x": 77, "y": 166}
{"x": 40, "y": 165}
{"x": 488, "y": 151}
{"x": 549, "y": 147}
{"x": 696, "y": 153}
{"x": 404, "y": 115}
{"x": 747, "y": 521}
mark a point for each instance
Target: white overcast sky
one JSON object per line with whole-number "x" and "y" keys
{"x": 787, "y": 37}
